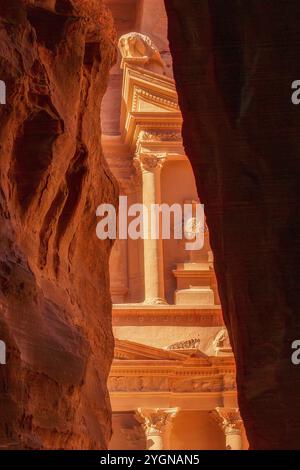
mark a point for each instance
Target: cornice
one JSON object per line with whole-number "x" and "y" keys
{"x": 165, "y": 315}
{"x": 174, "y": 368}
{"x": 139, "y": 75}
{"x": 152, "y": 98}
{"x": 157, "y": 90}
{"x": 143, "y": 121}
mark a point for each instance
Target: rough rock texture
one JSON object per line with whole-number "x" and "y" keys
{"x": 234, "y": 63}
{"x": 54, "y": 287}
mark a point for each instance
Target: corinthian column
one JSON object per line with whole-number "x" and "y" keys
{"x": 157, "y": 424}
{"x": 150, "y": 166}
{"x": 230, "y": 421}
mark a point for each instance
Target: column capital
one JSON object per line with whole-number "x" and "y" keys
{"x": 150, "y": 162}
{"x": 155, "y": 420}
{"x": 229, "y": 419}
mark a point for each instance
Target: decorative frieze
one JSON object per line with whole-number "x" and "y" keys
{"x": 147, "y": 369}
{"x": 156, "y": 136}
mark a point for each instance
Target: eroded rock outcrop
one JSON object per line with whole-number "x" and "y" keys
{"x": 55, "y": 56}
{"x": 234, "y": 63}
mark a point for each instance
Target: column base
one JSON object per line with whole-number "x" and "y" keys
{"x": 155, "y": 301}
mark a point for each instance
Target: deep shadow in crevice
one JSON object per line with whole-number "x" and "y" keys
{"x": 33, "y": 153}
{"x": 49, "y": 26}
{"x": 74, "y": 183}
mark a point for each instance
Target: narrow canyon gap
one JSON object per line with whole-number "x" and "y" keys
{"x": 55, "y": 308}
{"x": 234, "y": 63}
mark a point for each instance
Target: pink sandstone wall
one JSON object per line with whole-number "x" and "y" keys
{"x": 55, "y": 309}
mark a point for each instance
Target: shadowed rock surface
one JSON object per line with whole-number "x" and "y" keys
{"x": 234, "y": 63}
{"x": 55, "y": 310}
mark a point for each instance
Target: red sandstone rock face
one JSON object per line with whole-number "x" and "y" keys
{"x": 54, "y": 286}
{"x": 234, "y": 63}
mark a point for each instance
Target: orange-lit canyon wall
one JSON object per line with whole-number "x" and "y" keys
{"x": 55, "y": 309}
{"x": 234, "y": 64}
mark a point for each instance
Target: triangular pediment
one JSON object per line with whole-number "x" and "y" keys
{"x": 128, "y": 350}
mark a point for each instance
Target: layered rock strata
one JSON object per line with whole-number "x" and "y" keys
{"x": 54, "y": 283}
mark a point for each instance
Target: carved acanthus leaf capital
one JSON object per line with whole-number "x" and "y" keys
{"x": 229, "y": 419}
{"x": 150, "y": 161}
{"x": 156, "y": 420}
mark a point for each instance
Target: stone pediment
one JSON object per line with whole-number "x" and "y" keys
{"x": 128, "y": 350}
{"x": 139, "y": 368}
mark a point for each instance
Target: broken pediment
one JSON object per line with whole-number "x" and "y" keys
{"x": 149, "y": 99}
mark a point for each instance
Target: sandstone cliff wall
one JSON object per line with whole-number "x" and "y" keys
{"x": 54, "y": 284}
{"x": 234, "y": 63}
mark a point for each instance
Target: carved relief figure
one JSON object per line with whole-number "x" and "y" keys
{"x": 138, "y": 49}
{"x": 221, "y": 342}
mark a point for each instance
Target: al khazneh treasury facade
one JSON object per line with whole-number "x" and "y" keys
{"x": 172, "y": 382}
